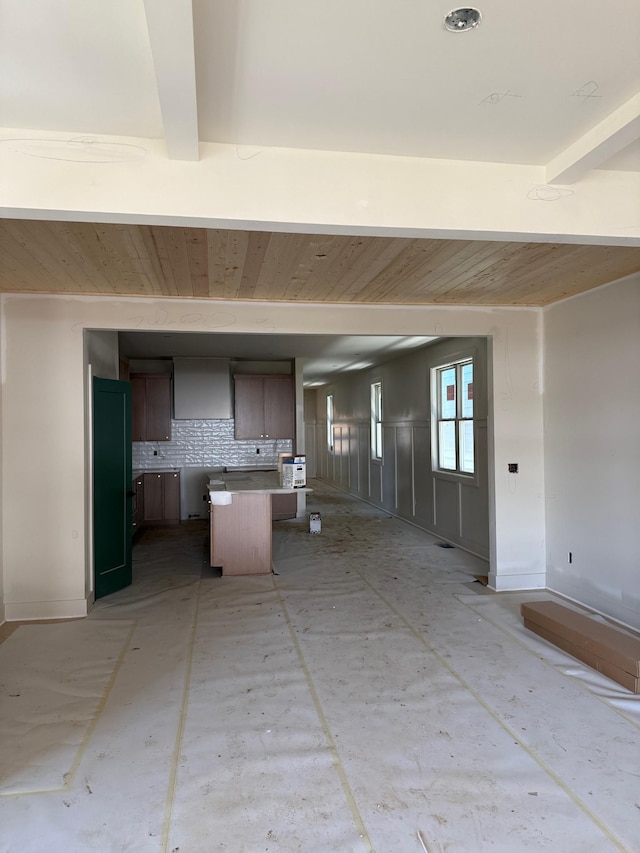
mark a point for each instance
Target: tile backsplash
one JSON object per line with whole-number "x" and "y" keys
{"x": 205, "y": 444}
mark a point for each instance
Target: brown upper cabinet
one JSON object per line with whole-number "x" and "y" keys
{"x": 150, "y": 406}
{"x": 264, "y": 406}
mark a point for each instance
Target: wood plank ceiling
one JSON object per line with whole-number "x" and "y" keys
{"x": 167, "y": 261}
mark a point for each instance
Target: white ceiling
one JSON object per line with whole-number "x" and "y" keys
{"x": 530, "y": 84}
{"x": 323, "y": 355}
{"x": 551, "y": 84}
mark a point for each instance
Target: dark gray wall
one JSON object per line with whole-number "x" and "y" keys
{"x": 403, "y": 483}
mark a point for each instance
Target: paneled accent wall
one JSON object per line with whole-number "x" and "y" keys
{"x": 403, "y": 483}
{"x": 205, "y": 444}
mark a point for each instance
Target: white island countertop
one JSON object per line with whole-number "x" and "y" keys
{"x": 225, "y": 485}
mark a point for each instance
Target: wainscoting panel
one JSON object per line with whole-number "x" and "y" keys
{"x": 404, "y": 470}
{"x": 422, "y": 479}
{"x": 354, "y": 473}
{"x": 388, "y": 469}
{"x": 310, "y": 449}
{"x": 447, "y": 499}
{"x": 364, "y": 457}
{"x": 403, "y": 483}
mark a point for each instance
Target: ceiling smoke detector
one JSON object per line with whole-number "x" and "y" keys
{"x": 463, "y": 19}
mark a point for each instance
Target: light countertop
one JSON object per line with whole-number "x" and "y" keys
{"x": 140, "y": 471}
{"x": 258, "y": 482}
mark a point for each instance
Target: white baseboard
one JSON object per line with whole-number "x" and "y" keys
{"x": 507, "y": 582}
{"x": 628, "y": 620}
{"x": 27, "y": 611}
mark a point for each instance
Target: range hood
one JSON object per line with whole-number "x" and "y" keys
{"x": 201, "y": 388}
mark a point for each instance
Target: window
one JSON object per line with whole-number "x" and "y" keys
{"x": 330, "y": 421}
{"x": 454, "y": 392}
{"x": 376, "y": 420}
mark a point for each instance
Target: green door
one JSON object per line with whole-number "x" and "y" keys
{"x": 111, "y": 485}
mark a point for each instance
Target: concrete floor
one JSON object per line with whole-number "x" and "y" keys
{"x": 369, "y": 696}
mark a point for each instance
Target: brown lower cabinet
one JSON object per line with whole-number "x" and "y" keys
{"x": 161, "y": 499}
{"x": 137, "y": 515}
{"x": 283, "y": 506}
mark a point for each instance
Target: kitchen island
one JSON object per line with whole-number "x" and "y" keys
{"x": 240, "y": 521}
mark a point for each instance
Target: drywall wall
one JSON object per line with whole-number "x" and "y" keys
{"x": 43, "y": 423}
{"x": 592, "y": 448}
{"x": 102, "y": 353}
{"x": 44, "y": 465}
{"x": 403, "y": 482}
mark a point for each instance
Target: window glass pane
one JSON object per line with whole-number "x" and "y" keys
{"x": 448, "y": 393}
{"x": 467, "y": 390}
{"x": 376, "y": 420}
{"x": 455, "y": 412}
{"x": 378, "y": 451}
{"x": 330, "y": 420}
{"x": 466, "y": 447}
{"x": 447, "y": 445}
{"x": 377, "y": 402}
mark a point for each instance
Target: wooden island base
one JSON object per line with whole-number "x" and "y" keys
{"x": 241, "y": 514}
{"x": 241, "y": 535}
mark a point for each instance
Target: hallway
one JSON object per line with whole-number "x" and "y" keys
{"x": 371, "y": 695}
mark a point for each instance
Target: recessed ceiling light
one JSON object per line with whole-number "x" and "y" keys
{"x": 463, "y": 19}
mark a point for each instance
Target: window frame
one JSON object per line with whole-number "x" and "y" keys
{"x": 375, "y": 434}
{"x": 456, "y": 474}
{"x": 330, "y": 421}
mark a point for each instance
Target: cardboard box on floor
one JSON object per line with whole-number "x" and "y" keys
{"x": 607, "y": 649}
